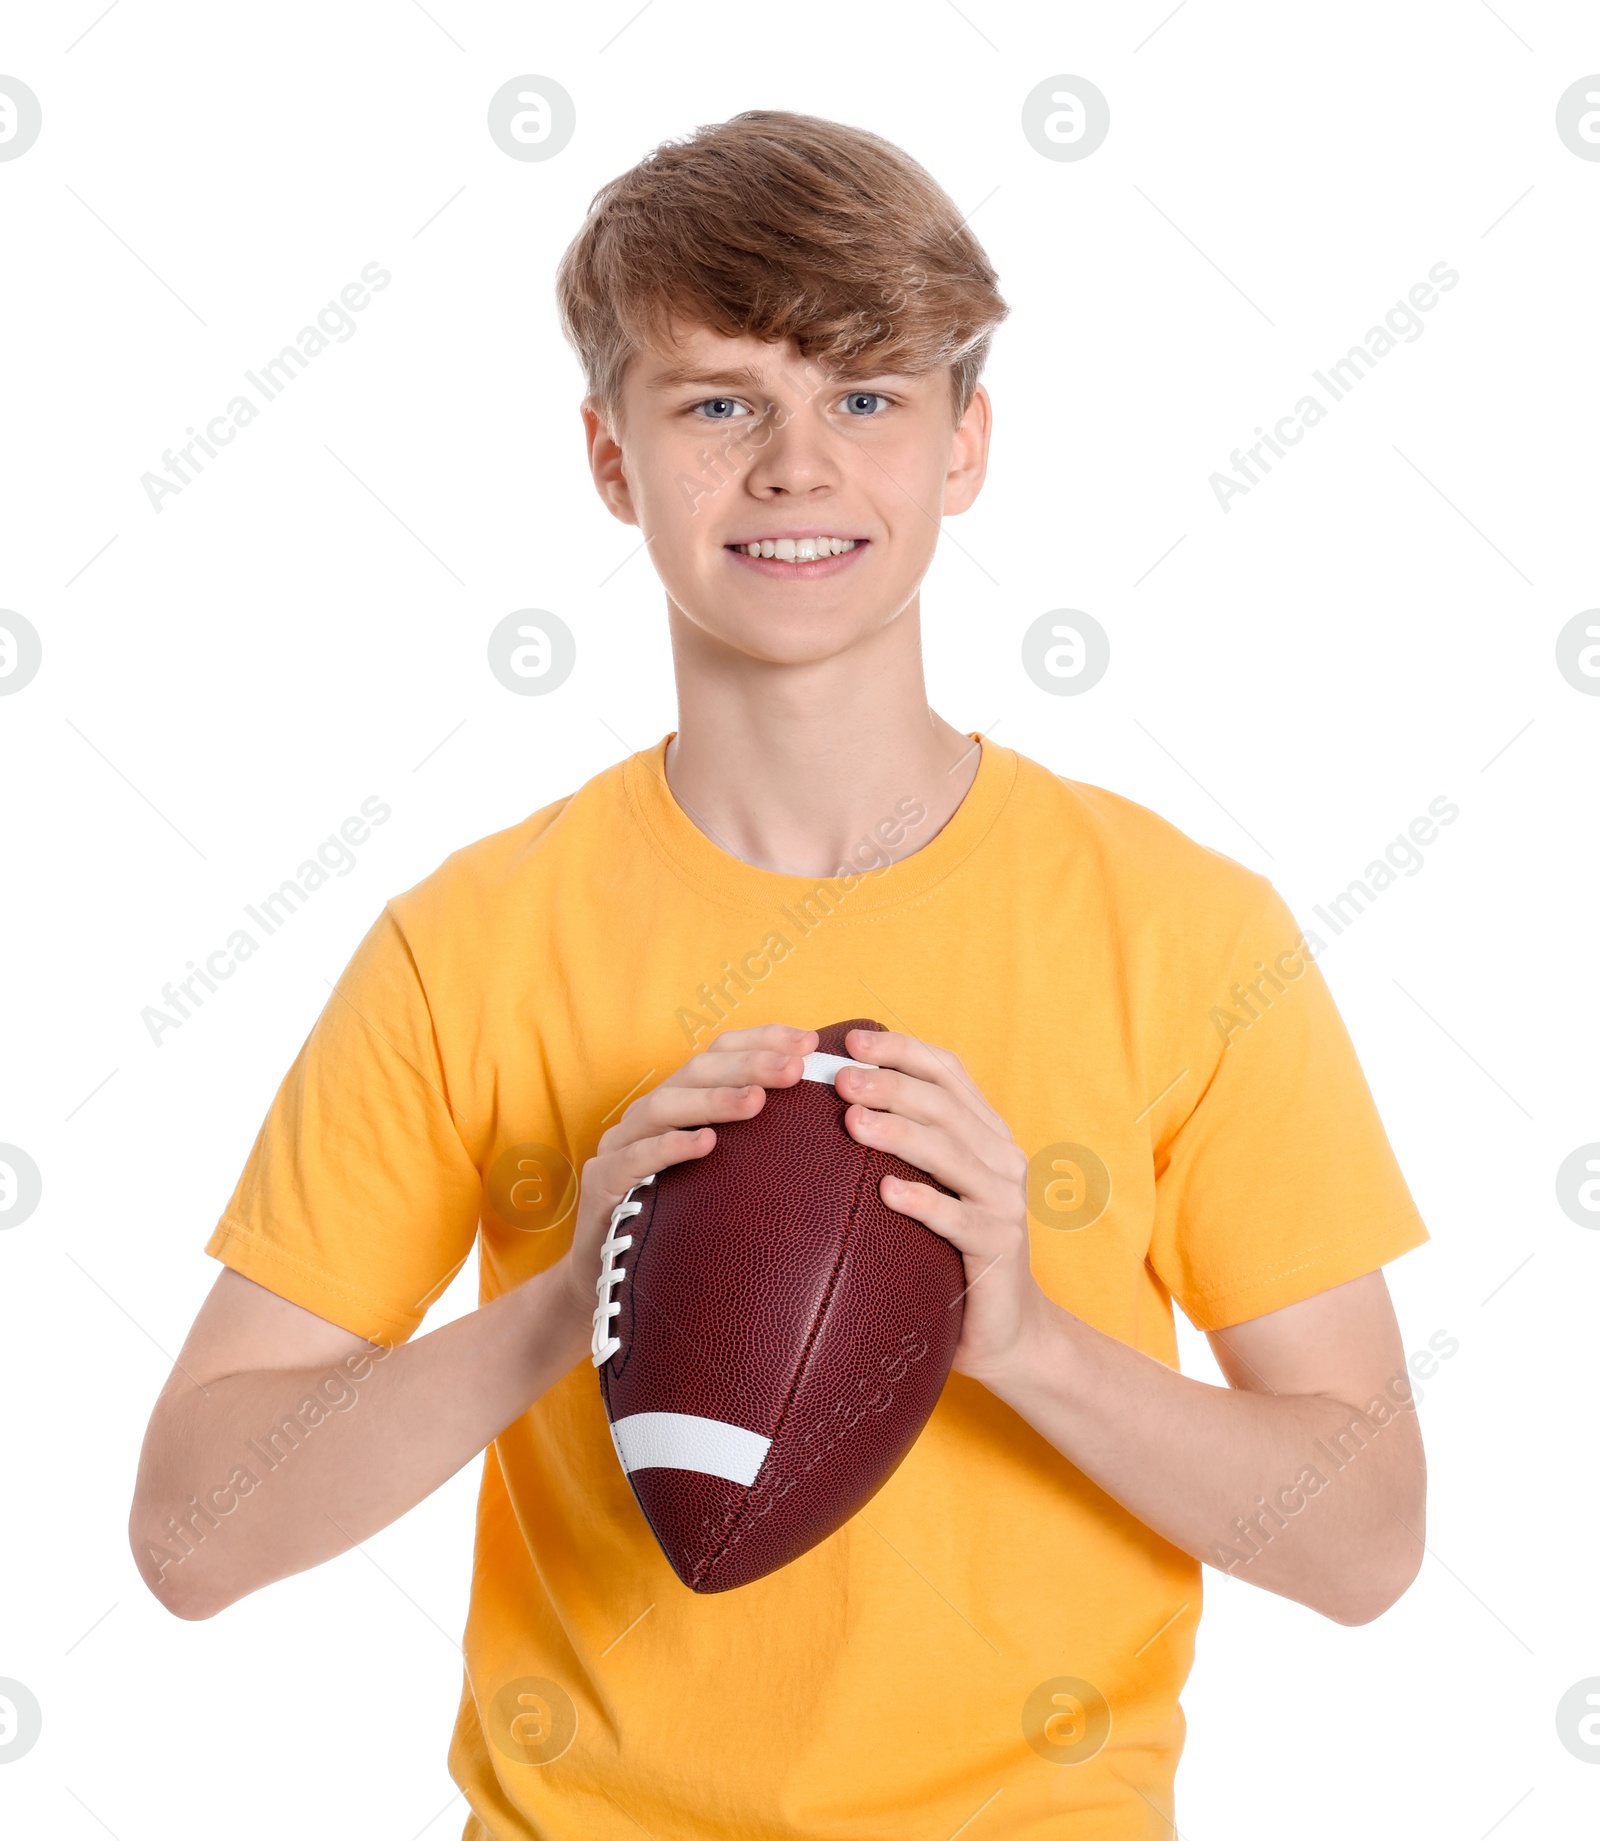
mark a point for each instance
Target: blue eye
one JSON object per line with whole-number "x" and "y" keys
{"x": 863, "y": 402}
{"x": 718, "y": 408}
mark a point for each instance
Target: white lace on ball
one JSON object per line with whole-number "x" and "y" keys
{"x": 603, "y": 1345}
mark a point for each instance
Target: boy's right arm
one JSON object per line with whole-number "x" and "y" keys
{"x": 422, "y": 1410}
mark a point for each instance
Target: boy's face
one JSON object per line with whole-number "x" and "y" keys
{"x": 724, "y": 443}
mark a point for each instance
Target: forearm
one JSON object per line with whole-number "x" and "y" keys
{"x": 240, "y": 1484}
{"x": 1281, "y": 1490}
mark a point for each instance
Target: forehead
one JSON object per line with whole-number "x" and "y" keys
{"x": 696, "y": 356}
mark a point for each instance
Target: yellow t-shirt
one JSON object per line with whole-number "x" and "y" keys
{"x": 992, "y": 1632}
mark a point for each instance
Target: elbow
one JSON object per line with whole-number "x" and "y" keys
{"x": 185, "y": 1597}
{"x": 1370, "y": 1589}
{"x": 170, "y": 1574}
{"x": 192, "y": 1611}
{"x": 1377, "y": 1571}
{"x": 1364, "y": 1607}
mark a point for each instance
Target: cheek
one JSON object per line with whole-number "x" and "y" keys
{"x": 689, "y": 470}
{"x": 903, "y": 480}
{"x": 675, "y": 498}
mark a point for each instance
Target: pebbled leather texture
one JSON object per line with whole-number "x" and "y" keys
{"x": 769, "y": 1286}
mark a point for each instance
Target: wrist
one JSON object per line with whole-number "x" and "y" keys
{"x": 556, "y": 1320}
{"x": 1039, "y": 1350}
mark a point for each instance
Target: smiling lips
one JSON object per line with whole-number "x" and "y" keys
{"x": 813, "y": 554}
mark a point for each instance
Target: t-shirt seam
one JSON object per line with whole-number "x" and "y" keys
{"x": 443, "y": 1090}
{"x": 1305, "y": 1258}
{"x": 1266, "y": 894}
{"x": 232, "y": 1228}
{"x": 456, "y": 861}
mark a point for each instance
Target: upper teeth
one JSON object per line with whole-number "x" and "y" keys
{"x": 798, "y": 549}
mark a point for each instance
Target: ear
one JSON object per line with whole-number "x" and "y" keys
{"x": 605, "y": 463}
{"x": 969, "y": 454}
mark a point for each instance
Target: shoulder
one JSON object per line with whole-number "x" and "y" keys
{"x": 1141, "y": 860}
{"x": 493, "y": 874}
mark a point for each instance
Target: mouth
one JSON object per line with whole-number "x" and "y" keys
{"x": 795, "y": 557}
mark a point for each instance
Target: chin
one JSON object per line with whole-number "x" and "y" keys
{"x": 792, "y": 638}
{"x": 777, "y": 634}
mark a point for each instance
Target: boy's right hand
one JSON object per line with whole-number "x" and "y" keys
{"x": 672, "y": 1124}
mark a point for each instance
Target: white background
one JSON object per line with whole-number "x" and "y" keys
{"x": 1373, "y": 626}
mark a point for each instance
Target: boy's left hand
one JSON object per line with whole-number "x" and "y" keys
{"x": 921, "y": 1105}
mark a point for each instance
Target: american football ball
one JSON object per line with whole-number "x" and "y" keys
{"x": 771, "y": 1336}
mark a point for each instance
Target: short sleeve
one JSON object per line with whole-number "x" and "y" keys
{"x": 1280, "y": 1182}
{"x": 359, "y": 1200}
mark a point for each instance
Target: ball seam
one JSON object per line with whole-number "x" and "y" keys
{"x": 704, "y": 1574}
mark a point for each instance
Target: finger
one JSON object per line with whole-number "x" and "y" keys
{"x": 889, "y": 1048}
{"x": 927, "y": 1147}
{"x": 927, "y": 1061}
{"x": 888, "y": 1090}
{"x": 669, "y": 1106}
{"x": 618, "y": 1171}
{"x": 783, "y": 1038}
{"x": 945, "y": 1215}
{"x": 766, "y": 1067}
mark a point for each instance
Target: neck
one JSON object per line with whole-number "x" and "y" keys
{"x": 813, "y": 768}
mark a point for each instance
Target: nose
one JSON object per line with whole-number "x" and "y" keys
{"x": 796, "y": 458}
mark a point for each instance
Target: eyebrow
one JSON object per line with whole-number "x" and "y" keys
{"x": 676, "y": 375}
{"x": 742, "y": 377}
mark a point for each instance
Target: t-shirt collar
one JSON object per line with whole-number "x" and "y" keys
{"x": 696, "y": 859}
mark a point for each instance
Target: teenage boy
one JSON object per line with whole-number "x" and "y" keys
{"x": 1110, "y": 1043}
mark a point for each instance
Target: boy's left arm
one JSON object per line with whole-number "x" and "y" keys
{"x": 1221, "y": 1472}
